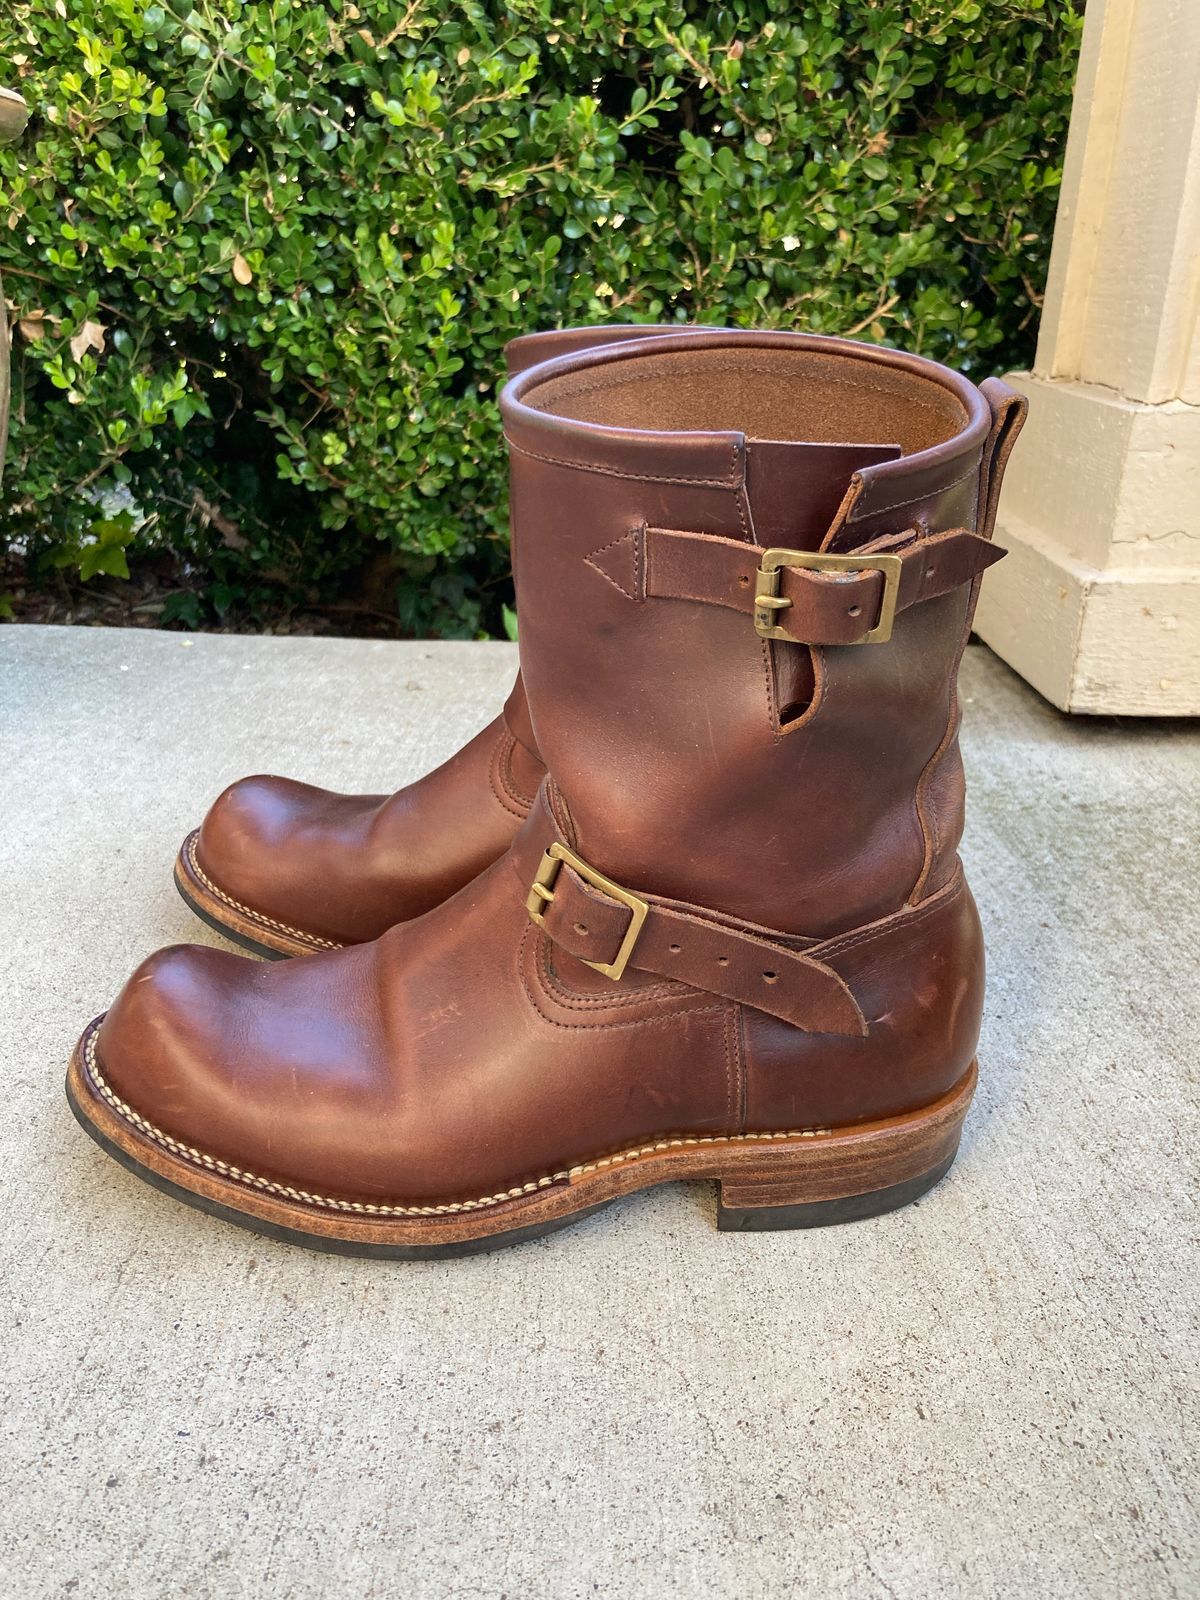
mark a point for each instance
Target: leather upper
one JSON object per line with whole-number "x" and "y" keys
{"x": 347, "y": 867}
{"x": 805, "y": 763}
{"x": 765, "y": 801}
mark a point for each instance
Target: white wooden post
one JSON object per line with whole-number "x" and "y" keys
{"x": 1098, "y": 604}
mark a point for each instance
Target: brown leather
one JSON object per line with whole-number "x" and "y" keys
{"x": 1008, "y": 418}
{"x": 346, "y": 867}
{"x": 814, "y": 756}
{"x": 822, "y": 607}
{"x": 471, "y": 1052}
{"x": 683, "y": 942}
{"x": 341, "y": 869}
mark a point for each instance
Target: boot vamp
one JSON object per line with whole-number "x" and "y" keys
{"x": 443, "y": 1063}
{"x": 347, "y": 867}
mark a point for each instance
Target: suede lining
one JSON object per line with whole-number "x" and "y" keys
{"x": 768, "y": 394}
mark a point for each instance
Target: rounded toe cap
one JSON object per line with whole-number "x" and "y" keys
{"x": 292, "y": 857}
{"x": 248, "y": 1067}
{"x": 248, "y": 829}
{"x": 154, "y": 1039}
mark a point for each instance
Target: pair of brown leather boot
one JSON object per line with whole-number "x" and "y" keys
{"x": 691, "y": 908}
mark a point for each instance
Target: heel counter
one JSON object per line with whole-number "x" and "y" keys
{"x": 919, "y": 979}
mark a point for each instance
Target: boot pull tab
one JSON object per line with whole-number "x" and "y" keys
{"x": 1008, "y": 418}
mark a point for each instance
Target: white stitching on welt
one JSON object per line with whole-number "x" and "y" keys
{"x": 189, "y": 850}
{"x": 362, "y": 1208}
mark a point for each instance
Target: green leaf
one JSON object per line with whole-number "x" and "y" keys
{"x": 106, "y": 558}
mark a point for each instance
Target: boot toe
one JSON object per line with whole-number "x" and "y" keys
{"x": 290, "y": 857}
{"x": 247, "y": 829}
{"x": 154, "y": 1047}
{"x": 249, "y": 1066}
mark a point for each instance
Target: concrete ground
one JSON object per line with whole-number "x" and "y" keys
{"x": 990, "y": 1394}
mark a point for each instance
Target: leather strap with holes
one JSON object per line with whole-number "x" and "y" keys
{"x": 687, "y": 943}
{"x": 824, "y": 608}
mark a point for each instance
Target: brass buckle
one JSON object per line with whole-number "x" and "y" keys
{"x": 768, "y": 602}
{"x": 542, "y": 892}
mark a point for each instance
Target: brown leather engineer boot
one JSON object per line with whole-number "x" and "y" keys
{"x": 287, "y": 869}
{"x": 732, "y": 939}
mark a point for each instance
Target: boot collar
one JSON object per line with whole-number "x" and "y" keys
{"x": 909, "y": 428}
{"x": 528, "y": 349}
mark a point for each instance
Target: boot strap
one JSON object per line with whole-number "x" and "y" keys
{"x": 609, "y": 927}
{"x": 803, "y": 596}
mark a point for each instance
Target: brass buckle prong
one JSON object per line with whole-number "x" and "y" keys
{"x": 541, "y": 893}
{"x": 768, "y": 602}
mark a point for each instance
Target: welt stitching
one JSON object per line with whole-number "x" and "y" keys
{"x": 364, "y": 1208}
{"x": 236, "y": 905}
{"x": 616, "y": 472}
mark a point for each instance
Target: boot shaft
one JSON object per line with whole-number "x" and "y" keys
{"x": 805, "y": 785}
{"x": 521, "y": 353}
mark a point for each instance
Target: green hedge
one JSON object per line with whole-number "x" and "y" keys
{"x": 263, "y": 257}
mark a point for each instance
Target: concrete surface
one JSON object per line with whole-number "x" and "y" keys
{"x": 989, "y": 1394}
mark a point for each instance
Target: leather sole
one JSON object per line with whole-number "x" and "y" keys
{"x": 252, "y": 930}
{"x": 798, "y": 1179}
